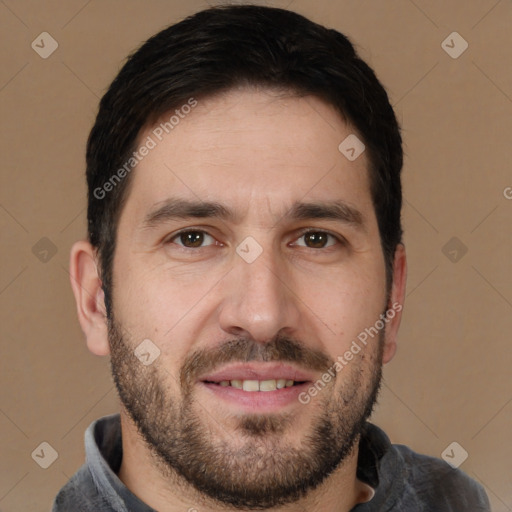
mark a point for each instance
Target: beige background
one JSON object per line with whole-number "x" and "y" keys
{"x": 450, "y": 380}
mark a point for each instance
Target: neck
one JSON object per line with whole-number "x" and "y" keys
{"x": 143, "y": 476}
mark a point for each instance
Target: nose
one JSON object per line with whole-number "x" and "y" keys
{"x": 258, "y": 300}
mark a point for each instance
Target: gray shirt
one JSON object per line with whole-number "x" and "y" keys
{"x": 404, "y": 481}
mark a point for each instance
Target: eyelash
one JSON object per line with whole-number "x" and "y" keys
{"x": 339, "y": 239}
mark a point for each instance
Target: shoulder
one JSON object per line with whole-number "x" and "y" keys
{"x": 440, "y": 486}
{"x": 79, "y": 494}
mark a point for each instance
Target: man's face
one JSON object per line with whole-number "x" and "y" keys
{"x": 270, "y": 284}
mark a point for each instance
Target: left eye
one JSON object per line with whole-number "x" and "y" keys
{"x": 193, "y": 239}
{"x": 316, "y": 240}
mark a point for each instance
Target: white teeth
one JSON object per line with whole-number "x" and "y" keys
{"x": 268, "y": 385}
{"x": 251, "y": 385}
{"x": 258, "y": 385}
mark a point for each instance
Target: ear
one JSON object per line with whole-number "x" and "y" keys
{"x": 89, "y": 297}
{"x": 395, "y": 304}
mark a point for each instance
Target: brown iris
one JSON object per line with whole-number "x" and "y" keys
{"x": 316, "y": 240}
{"x": 192, "y": 238}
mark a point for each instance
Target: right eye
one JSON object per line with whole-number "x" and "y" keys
{"x": 193, "y": 239}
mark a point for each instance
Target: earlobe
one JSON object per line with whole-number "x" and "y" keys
{"x": 89, "y": 297}
{"x": 396, "y": 302}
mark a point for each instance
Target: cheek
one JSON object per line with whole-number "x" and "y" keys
{"x": 345, "y": 298}
{"x": 166, "y": 306}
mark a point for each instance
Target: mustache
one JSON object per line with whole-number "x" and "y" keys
{"x": 244, "y": 349}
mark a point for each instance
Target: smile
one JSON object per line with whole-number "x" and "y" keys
{"x": 257, "y": 385}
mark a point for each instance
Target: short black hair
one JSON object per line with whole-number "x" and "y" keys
{"x": 216, "y": 50}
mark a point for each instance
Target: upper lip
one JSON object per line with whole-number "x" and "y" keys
{"x": 258, "y": 371}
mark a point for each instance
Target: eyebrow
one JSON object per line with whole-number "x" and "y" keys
{"x": 332, "y": 210}
{"x": 177, "y": 208}
{"x": 174, "y": 208}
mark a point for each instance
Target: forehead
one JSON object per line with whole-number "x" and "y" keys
{"x": 249, "y": 147}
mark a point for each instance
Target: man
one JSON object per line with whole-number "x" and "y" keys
{"x": 245, "y": 272}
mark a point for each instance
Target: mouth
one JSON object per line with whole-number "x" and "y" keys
{"x": 257, "y": 387}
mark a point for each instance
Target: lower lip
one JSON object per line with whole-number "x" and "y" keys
{"x": 257, "y": 401}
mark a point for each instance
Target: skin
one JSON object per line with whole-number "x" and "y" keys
{"x": 256, "y": 152}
